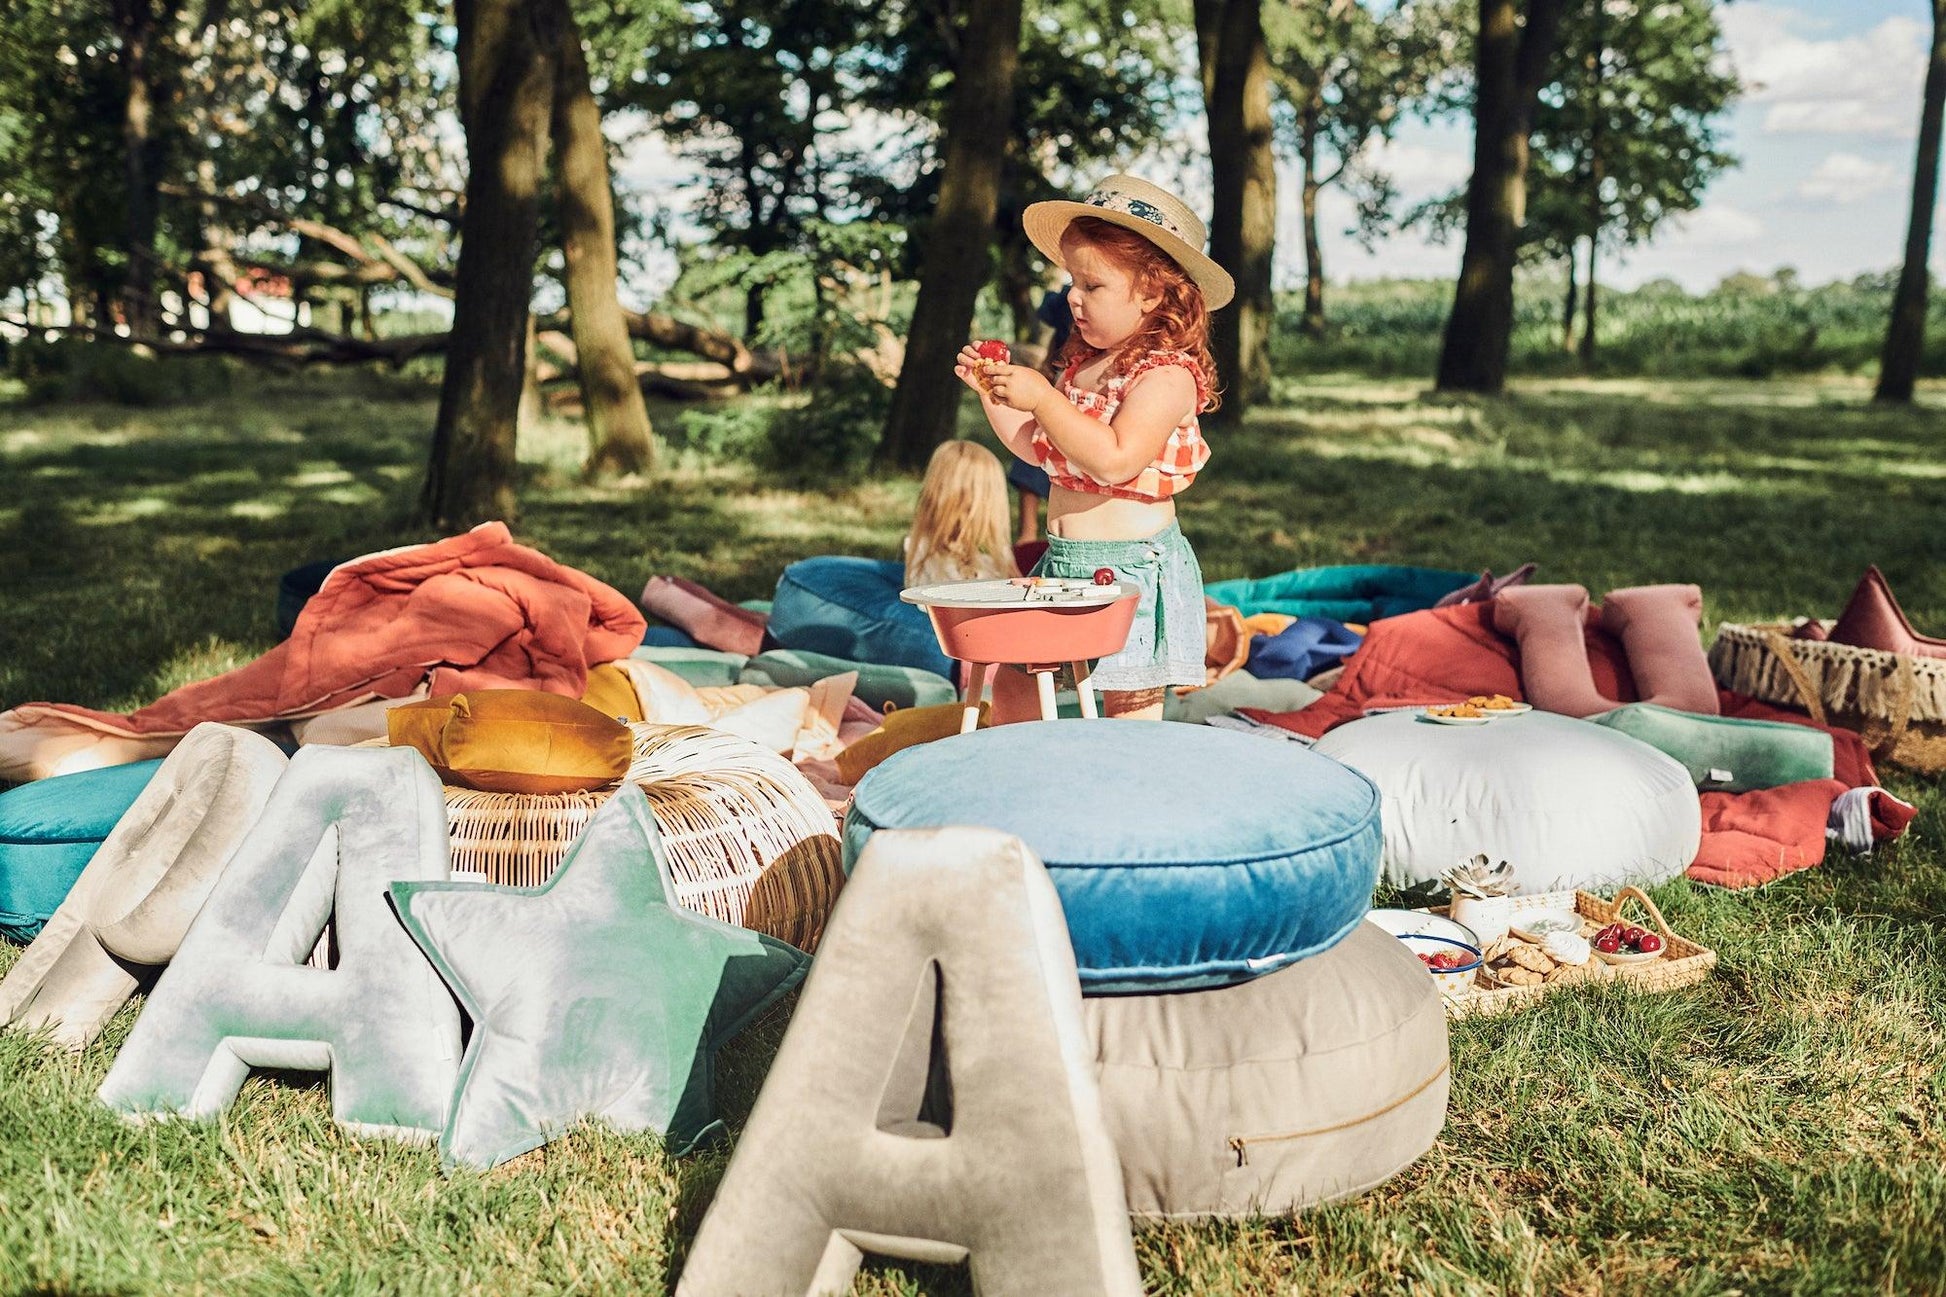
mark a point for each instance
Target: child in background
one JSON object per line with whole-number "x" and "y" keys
{"x": 1118, "y": 436}
{"x": 960, "y": 528}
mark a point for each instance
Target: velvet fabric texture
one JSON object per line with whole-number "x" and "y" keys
{"x": 514, "y": 741}
{"x": 1185, "y": 856}
{"x": 340, "y": 825}
{"x": 50, "y": 830}
{"x": 934, "y": 1098}
{"x": 850, "y": 608}
{"x": 1567, "y": 803}
{"x": 470, "y": 612}
{"x": 1360, "y": 593}
{"x": 614, "y": 1008}
{"x": 707, "y": 618}
{"x": 1657, "y": 626}
{"x": 1310, "y": 1084}
{"x": 881, "y": 685}
{"x": 1489, "y": 587}
{"x": 135, "y": 899}
{"x": 900, "y": 730}
{"x": 1723, "y": 754}
{"x": 1302, "y": 649}
{"x": 699, "y": 666}
{"x": 1873, "y": 619}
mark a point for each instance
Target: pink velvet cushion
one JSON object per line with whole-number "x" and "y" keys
{"x": 1874, "y": 620}
{"x": 707, "y": 618}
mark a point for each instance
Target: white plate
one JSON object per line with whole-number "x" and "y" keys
{"x": 1045, "y": 592}
{"x": 1437, "y": 925}
{"x": 1454, "y": 720}
{"x": 1532, "y": 925}
{"x": 1517, "y": 709}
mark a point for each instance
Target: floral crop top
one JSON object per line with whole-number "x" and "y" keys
{"x": 1172, "y": 470}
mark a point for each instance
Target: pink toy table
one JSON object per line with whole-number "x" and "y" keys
{"x": 1034, "y": 623}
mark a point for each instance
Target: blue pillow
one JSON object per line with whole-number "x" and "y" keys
{"x": 849, "y": 608}
{"x": 667, "y": 637}
{"x": 1185, "y": 856}
{"x": 50, "y": 830}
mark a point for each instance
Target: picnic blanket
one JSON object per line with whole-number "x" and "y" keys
{"x": 474, "y": 611}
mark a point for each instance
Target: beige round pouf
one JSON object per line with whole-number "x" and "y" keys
{"x": 1309, "y": 1084}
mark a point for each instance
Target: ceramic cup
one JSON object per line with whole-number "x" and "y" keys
{"x": 1489, "y": 916}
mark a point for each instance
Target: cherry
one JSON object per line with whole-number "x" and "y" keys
{"x": 1607, "y": 945}
{"x": 993, "y": 349}
{"x": 1104, "y": 576}
{"x": 1632, "y": 935}
{"x": 1649, "y": 944}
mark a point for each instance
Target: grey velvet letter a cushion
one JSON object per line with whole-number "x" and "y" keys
{"x": 1306, "y": 1085}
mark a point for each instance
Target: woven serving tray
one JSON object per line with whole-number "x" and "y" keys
{"x": 1683, "y": 962}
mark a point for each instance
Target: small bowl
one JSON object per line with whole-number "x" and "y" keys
{"x": 1634, "y": 956}
{"x": 1450, "y": 981}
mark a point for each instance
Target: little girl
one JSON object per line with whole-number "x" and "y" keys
{"x": 960, "y": 530}
{"x": 1118, "y": 436}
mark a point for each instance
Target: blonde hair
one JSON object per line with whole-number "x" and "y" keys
{"x": 962, "y": 528}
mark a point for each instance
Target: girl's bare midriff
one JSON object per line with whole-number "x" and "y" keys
{"x": 1080, "y": 515}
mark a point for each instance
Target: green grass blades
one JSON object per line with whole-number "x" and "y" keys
{"x": 1780, "y": 1128}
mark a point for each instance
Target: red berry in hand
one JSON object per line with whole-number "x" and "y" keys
{"x": 1607, "y": 945}
{"x": 1649, "y": 944}
{"x": 993, "y": 349}
{"x": 1104, "y": 576}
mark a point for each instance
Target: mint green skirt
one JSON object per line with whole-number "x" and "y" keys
{"x": 1166, "y": 643}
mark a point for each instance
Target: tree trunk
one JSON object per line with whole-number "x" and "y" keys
{"x": 925, "y": 408}
{"x": 1313, "y": 248}
{"x": 1571, "y": 300}
{"x": 1243, "y": 199}
{"x": 1588, "y": 305}
{"x": 508, "y": 54}
{"x": 1905, "y": 336}
{"x": 1510, "y": 65}
{"x": 619, "y": 438}
{"x": 137, "y": 22}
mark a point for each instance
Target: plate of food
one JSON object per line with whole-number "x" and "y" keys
{"x": 1498, "y": 706}
{"x": 1402, "y": 923}
{"x": 1455, "y": 714}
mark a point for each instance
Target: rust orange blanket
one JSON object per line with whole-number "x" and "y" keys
{"x": 475, "y": 611}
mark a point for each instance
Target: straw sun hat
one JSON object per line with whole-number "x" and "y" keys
{"x": 1149, "y": 210}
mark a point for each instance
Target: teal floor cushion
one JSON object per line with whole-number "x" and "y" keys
{"x": 50, "y": 830}
{"x": 849, "y": 608}
{"x": 1185, "y": 856}
{"x": 1359, "y": 593}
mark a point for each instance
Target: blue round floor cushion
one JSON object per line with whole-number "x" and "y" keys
{"x": 50, "y": 830}
{"x": 849, "y": 608}
{"x": 1185, "y": 856}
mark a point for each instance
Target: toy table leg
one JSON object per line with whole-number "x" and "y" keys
{"x": 1086, "y": 689}
{"x": 1045, "y": 678}
{"x": 976, "y": 685}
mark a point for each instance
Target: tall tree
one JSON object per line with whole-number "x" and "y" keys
{"x": 959, "y": 243}
{"x": 1243, "y": 191}
{"x": 618, "y": 422}
{"x": 509, "y": 54}
{"x": 142, "y": 28}
{"x": 1347, "y": 71}
{"x": 1905, "y": 336}
{"x": 1510, "y": 65}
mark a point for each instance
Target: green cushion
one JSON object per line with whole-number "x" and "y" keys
{"x": 878, "y": 683}
{"x": 1724, "y": 754}
{"x": 704, "y": 668}
{"x": 1236, "y": 690}
{"x": 50, "y": 830}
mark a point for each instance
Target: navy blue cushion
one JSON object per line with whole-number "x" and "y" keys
{"x": 1185, "y": 856}
{"x": 50, "y": 830}
{"x": 849, "y": 608}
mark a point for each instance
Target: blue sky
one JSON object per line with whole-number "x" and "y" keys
{"x": 1825, "y": 131}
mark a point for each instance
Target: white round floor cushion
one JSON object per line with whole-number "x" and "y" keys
{"x": 1568, "y": 803}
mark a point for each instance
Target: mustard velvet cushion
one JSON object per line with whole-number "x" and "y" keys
{"x": 514, "y": 741}
{"x": 907, "y": 727}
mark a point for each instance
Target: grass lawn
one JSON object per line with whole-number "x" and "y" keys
{"x": 1779, "y": 1129}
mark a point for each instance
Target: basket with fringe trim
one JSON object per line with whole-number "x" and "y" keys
{"x": 1896, "y": 701}
{"x": 748, "y": 839}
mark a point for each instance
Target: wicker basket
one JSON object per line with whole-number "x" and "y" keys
{"x": 1896, "y": 701}
{"x": 1683, "y": 962}
{"x": 748, "y": 839}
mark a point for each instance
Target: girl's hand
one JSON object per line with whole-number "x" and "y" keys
{"x": 966, "y": 366}
{"x": 1018, "y": 387}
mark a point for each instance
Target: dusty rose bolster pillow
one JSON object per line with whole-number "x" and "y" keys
{"x": 514, "y": 741}
{"x": 707, "y": 618}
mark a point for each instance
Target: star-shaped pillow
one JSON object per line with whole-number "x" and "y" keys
{"x": 595, "y": 995}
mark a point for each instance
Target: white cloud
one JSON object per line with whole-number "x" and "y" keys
{"x": 1714, "y": 225}
{"x": 1867, "y": 83}
{"x": 1422, "y": 172}
{"x": 1848, "y": 178}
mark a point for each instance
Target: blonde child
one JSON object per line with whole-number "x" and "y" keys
{"x": 1117, "y": 433}
{"x": 960, "y": 531}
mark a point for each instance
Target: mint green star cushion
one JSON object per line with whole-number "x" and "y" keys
{"x": 593, "y": 996}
